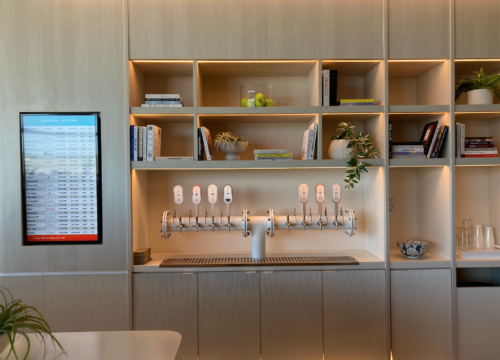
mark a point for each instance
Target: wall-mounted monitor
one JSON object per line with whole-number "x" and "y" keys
{"x": 61, "y": 178}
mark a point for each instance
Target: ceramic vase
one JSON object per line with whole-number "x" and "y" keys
{"x": 233, "y": 152}
{"x": 339, "y": 150}
{"x": 479, "y": 97}
{"x": 4, "y": 342}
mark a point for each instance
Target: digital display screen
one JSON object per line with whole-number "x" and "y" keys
{"x": 61, "y": 178}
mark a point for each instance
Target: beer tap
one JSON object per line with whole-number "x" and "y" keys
{"x": 336, "y": 200}
{"x": 179, "y": 199}
{"x": 320, "y": 198}
{"x": 212, "y": 199}
{"x": 228, "y": 199}
{"x": 196, "y": 202}
{"x": 304, "y": 197}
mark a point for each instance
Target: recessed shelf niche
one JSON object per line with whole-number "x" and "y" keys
{"x": 466, "y": 68}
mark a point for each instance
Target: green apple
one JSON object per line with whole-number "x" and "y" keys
{"x": 244, "y": 103}
{"x": 270, "y": 102}
{"x": 260, "y": 100}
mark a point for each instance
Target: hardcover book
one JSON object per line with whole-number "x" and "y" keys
{"x": 428, "y": 135}
{"x": 207, "y": 142}
{"x": 154, "y": 142}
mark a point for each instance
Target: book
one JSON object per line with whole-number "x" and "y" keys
{"x": 139, "y": 143}
{"x": 312, "y": 143}
{"x": 483, "y": 152}
{"x": 305, "y": 141}
{"x": 479, "y": 145}
{"x": 274, "y": 158}
{"x": 441, "y": 140}
{"x": 207, "y": 142}
{"x": 406, "y": 143}
{"x": 407, "y": 153}
{"x": 201, "y": 147}
{"x": 133, "y": 143}
{"x": 326, "y": 87}
{"x": 154, "y": 102}
{"x": 428, "y": 135}
{"x": 457, "y": 139}
{"x": 480, "y": 155}
{"x": 478, "y": 139}
{"x": 144, "y": 142}
{"x": 409, "y": 147}
{"x": 154, "y": 142}
{"x": 434, "y": 140}
{"x": 462, "y": 140}
{"x": 149, "y": 105}
{"x": 390, "y": 140}
{"x": 175, "y": 158}
{"x": 421, "y": 156}
{"x": 357, "y": 102}
{"x": 333, "y": 87}
{"x": 262, "y": 156}
{"x": 271, "y": 151}
{"x": 163, "y": 96}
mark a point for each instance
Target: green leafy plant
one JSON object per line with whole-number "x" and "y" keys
{"x": 17, "y": 318}
{"x": 361, "y": 147}
{"x": 481, "y": 81}
{"x": 227, "y": 138}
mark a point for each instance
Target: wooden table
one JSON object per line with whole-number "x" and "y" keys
{"x": 112, "y": 345}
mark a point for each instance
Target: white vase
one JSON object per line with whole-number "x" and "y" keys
{"x": 479, "y": 97}
{"x": 232, "y": 152}
{"x": 339, "y": 150}
{"x": 4, "y": 342}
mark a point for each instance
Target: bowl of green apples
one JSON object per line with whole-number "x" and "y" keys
{"x": 257, "y": 95}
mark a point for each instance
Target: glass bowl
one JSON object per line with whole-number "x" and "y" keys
{"x": 257, "y": 95}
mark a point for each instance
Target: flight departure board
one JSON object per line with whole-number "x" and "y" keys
{"x": 61, "y": 178}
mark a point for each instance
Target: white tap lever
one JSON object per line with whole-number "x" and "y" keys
{"x": 212, "y": 199}
{"x": 320, "y": 198}
{"x": 228, "y": 199}
{"x": 336, "y": 201}
{"x": 179, "y": 199}
{"x": 196, "y": 202}
{"x": 304, "y": 198}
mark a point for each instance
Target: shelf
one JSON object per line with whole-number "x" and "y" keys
{"x": 348, "y": 110}
{"x": 419, "y": 162}
{"x": 161, "y": 110}
{"x": 466, "y": 67}
{"x": 205, "y": 110}
{"x": 495, "y": 108}
{"x": 351, "y": 67}
{"x": 255, "y": 68}
{"x": 418, "y": 109}
{"x": 244, "y": 165}
{"x": 427, "y": 261}
{"x": 411, "y": 69}
{"x": 478, "y": 161}
{"x": 365, "y": 259}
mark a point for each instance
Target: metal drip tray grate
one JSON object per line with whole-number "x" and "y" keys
{"x": 268, "y": 261}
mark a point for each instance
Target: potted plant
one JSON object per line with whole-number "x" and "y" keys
{"x": 349, "y": 145}
{"x": 479, "y": 90}
{"x": 16, "y": 319}
{"x": 230, "y": 144}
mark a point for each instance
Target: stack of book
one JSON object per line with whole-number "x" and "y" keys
{"x": 430, "y": 145}
{"x": 469, "y": 147}
{"x": 163, "y": 100}
{"x": 357, "y": 102}
{"x": 145, "y": 143}
{"x": 275, "y": 154}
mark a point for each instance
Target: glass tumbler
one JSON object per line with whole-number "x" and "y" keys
{"x": 467, "y": 224}
{"x": 489, "y": 238}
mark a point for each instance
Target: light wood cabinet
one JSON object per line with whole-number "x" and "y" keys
{"x": 477, "y": 30}
{"x": 354, "y": 315}
{"x": 168, "y": 302}
{"x": 229, "y": 315}
{"x": 419, "y": 29}
{"x": 292, "y": 315}
{"x": 421, "y": 314}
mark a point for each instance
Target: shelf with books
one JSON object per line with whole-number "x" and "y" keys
{"x": 273, "y": 132}
{"x": 466, "y": 68}
{"x": 352, "y": 109}
{"x": 247, "y": 164}
{"x": 478, "y": 135}
{"x": 353, "y": 79}
{"x": 295, "y": 82}
{"x": 421, "y": 208}
{"x": 419, "y": 82}
{"x": 278, "y": 110}
{"x": 160, "y": 77}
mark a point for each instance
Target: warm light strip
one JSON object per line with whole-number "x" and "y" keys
{"x": 419, "y": 60}
{"x": 416, "y": 166}
{"x": 256, "y": 61}
{"x": 476, "y": 112}
{"x": 354, "y": 113}
{"x": 150, "y": 114}
{"x": 355, "y": 61}
{"x": 417, "y": 113}
{"x": 162, "y": 61}
{"x": 219, "y": 115}
{"x": 477, "y": 59}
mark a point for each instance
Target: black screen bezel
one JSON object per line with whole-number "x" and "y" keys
{"x": 98, "y": 182}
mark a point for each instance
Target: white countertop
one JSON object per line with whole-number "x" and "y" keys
{"x": 366, "y": 261}
{"x": 427, "y": 261}
{"x": 111, "y": 345}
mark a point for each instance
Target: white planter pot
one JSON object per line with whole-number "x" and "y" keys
{"x": 479, "y": 97}
{"x": 338, "y": 149}
{"x": 232, "y": 152}
{"x": 4, "y": 342}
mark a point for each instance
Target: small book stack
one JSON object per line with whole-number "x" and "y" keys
{"x": 145, "y": 143}
{"x": 309, "y": 142}
{"x": 430, "y": 145}
{"x": 357, "y": 102}
{"x": 474, "y": 147}
{"x": 163, "y": 100}
{"x": 276, "y": 154}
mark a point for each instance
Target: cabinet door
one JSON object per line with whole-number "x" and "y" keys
{"x": 229, "y": 316}
{"x": 168, "y": 302}
{"x": 291, "y": 315}
{"x": 354, "y": 315}
{"x": 419, "y": 29}
{"x": 477, "y": 28}
{"x": 421, "y": 314}
{"x": 478, "y": 323}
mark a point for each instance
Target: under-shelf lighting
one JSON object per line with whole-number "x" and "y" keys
{"x": 418, "y": 60}
{"x": 256, "y": 61}
{"x": 477, "y": 112}
{"x": 162, "y": 61}
{"x": 477, "y": 60}
{"x": 251, "y": 115}
{"x": 354, "y": 61}
{"x": 417, "y": 113}
{"x": 354, "y": 113}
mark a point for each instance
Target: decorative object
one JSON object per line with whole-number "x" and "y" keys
{"x": 16, "y": 319}
{"x": 257, "y": 95}
{"x": 343, "y": 146}
{"x": 413, "y": 248}
{"x": 230, "y": 144}
{"x": 479, "y": 90}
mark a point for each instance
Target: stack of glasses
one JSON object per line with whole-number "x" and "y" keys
{"x": 469, "y": 238}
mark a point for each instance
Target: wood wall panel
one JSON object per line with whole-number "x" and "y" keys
{"x": 64, "y": 56}
{"x": 229, "y": 315}
{"x": 30, "y": 289}
{"x": 477, "y": 29}
{"x": 292, "y": 315}
{"x": 168, "y": 302}
{"x": 352, "y": 29}
{"x": 419, "y": 29}
{"x": 354, "y": 315}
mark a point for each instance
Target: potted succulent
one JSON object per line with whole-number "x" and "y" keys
{"x": 351, "y": 146}
{"x": 16, "y": 319}
{"x": 479, "y": 90}
{"x": 230, "y": 144}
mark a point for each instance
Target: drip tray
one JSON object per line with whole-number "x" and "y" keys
{"x": 268, "y": 261}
